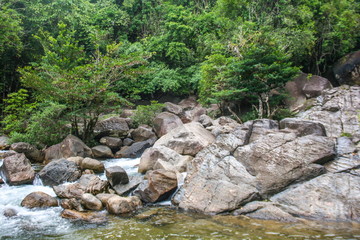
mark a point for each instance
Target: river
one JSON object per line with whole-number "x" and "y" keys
{"x": 151, "y": 222}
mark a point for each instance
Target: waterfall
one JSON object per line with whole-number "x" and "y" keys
{"x": 37, "y": 181}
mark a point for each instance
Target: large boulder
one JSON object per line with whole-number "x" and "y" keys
{"x": 223, "y": 125}
{"x": 113, "y": 126}
{"x": 187, "y": 139}
{"x": 160, "y": 184}
{"x": 333, "y": 196}
{"x": 92, "y": 164}
{"x": 4, "y": 142}
{"x": 156, "y": 155}
{"x": 39, "y": 200}
{"x": 173, "y": 108}
{"x": 17, "y": 169}
{"x": 30, "y": 151}
{"x": 302, "y": 127}
{"x": 281, "y": 158}
{"x": 114, "y": 143}
{"x": 303, "y": 87}
{"x": 338, "y": 110}
{"x": 120, "y": 205}
{"x": 216, "y": 182}
{"x": 58, "y": 172}
{"x": 165, "y": 122}
{"x": 142, "y": 133}
{"x": 102, "y": 151}
{"x": 347, "y": 69}
{"x": 261, "y": 127}
{"x": 71, "y": 146}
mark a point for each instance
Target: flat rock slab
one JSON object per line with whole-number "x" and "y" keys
{"x": 332, "y": 197}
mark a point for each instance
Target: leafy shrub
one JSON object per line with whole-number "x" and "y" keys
{"x": 17, "y": 110}
{"x": 283, "y": 113}
{"x": 145, "y": 114}
{"x": 45, "y": 127}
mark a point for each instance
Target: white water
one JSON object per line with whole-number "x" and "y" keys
{"x": 32, "y": 223}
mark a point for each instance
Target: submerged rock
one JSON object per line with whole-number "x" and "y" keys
{"x": 39, "y": 200}
{"x": 91, "y": 217}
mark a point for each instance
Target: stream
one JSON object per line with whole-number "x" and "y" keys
{"x": 155, "y": 222}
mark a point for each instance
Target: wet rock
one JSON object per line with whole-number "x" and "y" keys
{"x": 280, "y": 158}
{"x": 91, "y": 217}
{"x": 160, "y": 184}
{"x": 116, "y": 175}
{"x": 142, "y": 133}
{"x": 58, "y": 172}
{"x": 102, "y": 151}
{"x": 114, "y": 127}
{"x": 125, "y": 189}
{"x": 17, "y": 169}
{"x": 30, "y": 151}
{"x": 120, "y": 205}
{"x": 135, "y": 150}
{"x": 91, "y": 202}
{"x": 74, "y": 190}
{"x": 93, "y": 184}
{"x": 265, "y": 211}
{"x": 71, "y": 146}
{"x": 188, "y": 139}
{"x": 216, "y": 182}
{"x": 165, "y": 122}
{"x": 302, "y": 127}
{"x": 333, "y": 196}
{"x": 7, "y": 154}
{"x": 92, "y": 164}
{"x": 4, "y": 142}
{"x": 159, "y": 155}
{"x": 10, "y": 212}
{"x": 104, "y": 197}
{"x": 39, "y": 200}
{"x": 72, "y": 203}
{"x": 337, "y": 109}
{"x": 347, "y": 69}
{"x": 113, "y": 143}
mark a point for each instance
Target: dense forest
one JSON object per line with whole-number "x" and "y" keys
{"x": 64, "y": 63}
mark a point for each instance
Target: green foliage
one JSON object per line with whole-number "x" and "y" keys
{"x": 45, "y": 127}
{"x": 17, "y": 110}
{"x": 84, "y": 84}
{"x": 145, "y": 114}
{"x": 346, "y": 134}
{"x": 283, "y": 113}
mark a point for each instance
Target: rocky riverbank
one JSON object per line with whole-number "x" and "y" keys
{"x": 303, "y": 167}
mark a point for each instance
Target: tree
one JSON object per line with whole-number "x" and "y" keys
{"x": 83, "y": 83}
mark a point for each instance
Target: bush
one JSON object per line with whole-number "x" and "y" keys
{"x": 45, "y": 127}
{"x": 145, "y": 114}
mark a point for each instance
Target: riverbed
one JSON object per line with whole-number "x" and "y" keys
{"x": 151, "y": 222}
